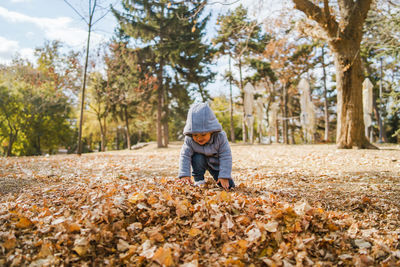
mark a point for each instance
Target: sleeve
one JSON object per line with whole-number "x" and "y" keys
{"x": 225, "y": 157}
{"x": 185, "y": 158}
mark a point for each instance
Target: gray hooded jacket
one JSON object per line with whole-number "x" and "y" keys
{"x": 201, "y": 119}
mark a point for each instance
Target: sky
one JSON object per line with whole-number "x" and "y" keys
{"x": 28, "y": 24}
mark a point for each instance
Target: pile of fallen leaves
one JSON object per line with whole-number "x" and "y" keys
{"x": 159, "y": 221}
{"x": 294, "y": 205}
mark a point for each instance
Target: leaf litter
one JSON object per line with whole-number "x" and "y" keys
{"x": 293, "y": 206}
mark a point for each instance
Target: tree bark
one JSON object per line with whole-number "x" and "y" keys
{"x": 350, "y": 128}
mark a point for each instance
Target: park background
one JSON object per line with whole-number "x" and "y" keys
{"x": 139, "y": 83}
{"x": 289, "y": 103}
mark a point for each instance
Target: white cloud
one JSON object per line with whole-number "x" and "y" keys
{"x": 8, "y": 46}
{"x": 53, "y": 28}
{"x": 28, "y": 53}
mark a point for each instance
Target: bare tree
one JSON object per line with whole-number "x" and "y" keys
{"x": 90, "y": 21}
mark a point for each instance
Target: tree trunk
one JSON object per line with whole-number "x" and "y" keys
{"x": 350, "y": 126}
{"x": 102, "y": 134}
{"x": 284, "y": 115}
{"x": 379, "y": 120}
{"x": 11, "y": 140}
{"x": 233, "y": 139}
{"x": 343, "y": 33}
{"x": 128, "y": 132}
{"x": 276, "y": 123}
{"x": 160, "y": 97}
{"x": 165, "y": 122}
{"x": 242, "y": 93}
{"x": 326, "y": 111}
{"x": 38, "y": 148}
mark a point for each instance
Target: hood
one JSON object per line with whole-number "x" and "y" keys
{"x": 201, "y": 119}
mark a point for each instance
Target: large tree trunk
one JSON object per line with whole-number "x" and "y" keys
{"x": 344, "y": 34}
{"x": 350, "y": 126}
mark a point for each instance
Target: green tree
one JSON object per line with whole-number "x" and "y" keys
{"x": 10, "y": 121}
{"x": 168, "y": 35}
{"x": 240, "y": 38}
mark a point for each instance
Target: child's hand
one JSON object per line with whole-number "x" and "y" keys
{"x": 224, "y": 183}
{"x": 186, "y": 180}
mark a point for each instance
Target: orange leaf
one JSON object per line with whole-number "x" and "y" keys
{"x": 23, "y": 223}
{"x": 194, "y": 232}
{"x": 73, "y": 228}
{"x": 163, "y": 257}
{"x": 10, "y": 243}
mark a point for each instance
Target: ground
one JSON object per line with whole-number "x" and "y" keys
{"x": 302, "y": 205}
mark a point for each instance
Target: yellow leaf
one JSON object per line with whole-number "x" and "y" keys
{"x": 225, "y": 196}
{"x": 194, "y": 232}
{"x": 23, "y": 223}
{"x": 80, "y": 250}
{"x": 166, "y": 196}
{"x": 242, "y": 244}
{"x": 45, "y": 250}
{"x": 163, "y": 257}
{"x": 135, "y": 197}
{"x": 232, "y": 262}
{"x": 169, "y": 4}
{"x": 194, "y": 28}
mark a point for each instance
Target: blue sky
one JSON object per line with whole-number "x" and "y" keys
{"x": 27, "y": 24}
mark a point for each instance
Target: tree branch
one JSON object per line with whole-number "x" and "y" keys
{"x": 325, "y": 20}
{"x": 358, "y": 16}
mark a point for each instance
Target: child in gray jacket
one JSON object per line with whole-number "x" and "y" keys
{"x": 205, "y": 147}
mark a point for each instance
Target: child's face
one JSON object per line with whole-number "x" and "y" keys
{"x": 201, "y": 138}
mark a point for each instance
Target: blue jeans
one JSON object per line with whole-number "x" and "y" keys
{"x": 200, "y": 165}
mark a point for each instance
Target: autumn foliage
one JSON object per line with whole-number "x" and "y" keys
{"x": 111, "y": 209}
